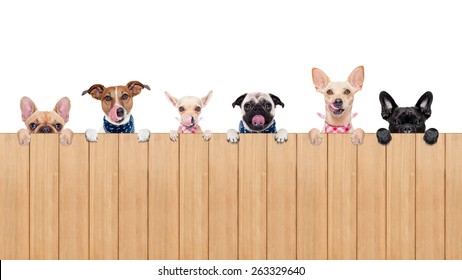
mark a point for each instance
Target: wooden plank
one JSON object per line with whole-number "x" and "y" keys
{"x": 104, "y": 197}
{"x": 193, "y": 197}
{"x": 430, "y": 165}
{"x": 164, "y": 196}
{"x": 133, "y": 198}
{"x": 74, "y": 200}
{"x": 252, "y": 196}
{"x": 44, "y": 166}
{"x": 453, "y": 240}
{"x": 223, "y": 198}
{"x": 14, "y": 199}
{"x": 341, "y": 197}
{"x": 311, "y": 199}
{"x": 371, "y": 200}
{"x": 401, "y": 197}
{"x": 282, "y": 199}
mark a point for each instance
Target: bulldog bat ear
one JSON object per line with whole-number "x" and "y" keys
{"x": 206, "y": 98}
{"x": 239, "y": 100}
{"x": 424, "y": 104}
{"x": 136, "y": 87}
{"x": 320, "y": 79}
{"x": 276, "y": 100}
{"x": 95, "y": 91}
{"x": 63, "y": 107}
{"x": 388, "y": 104}
{"x": 27, "y": 108}
{"x": 172, "y": 99}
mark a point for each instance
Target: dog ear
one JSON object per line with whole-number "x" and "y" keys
{"x": 276, "y": 100}
{"x": 424, "y": 103}
{"x": 172, "y": 99}
{"x": 388, "y": 104}
{"x": 206, "y": 99}
{"x": 63, "y": 107}
{"x": 356, "y": 78}
{"x": 27, "y": 108}
{"x": 95, "y": 91}
{"x": 239, "y": 100}
{"x": 135, "y": 87}
{"x": 320, "y": 79}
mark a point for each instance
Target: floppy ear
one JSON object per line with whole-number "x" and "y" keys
{"x": 424, "y": 103}
{"x": 172, "y": 99}
{"x": 206, "y": 99}
{"x": 320, "y": 79}
{"x": 135, "y": 87}
{"x": 356, "y": 78}
{"x": 27, "y": 108}
{"x": 276, "y": 100}
{"x": 95, "y": 91}
{"x": 63, "y": 107}
{"x": 388, "y": 104}
{"x": 239, "y": 100}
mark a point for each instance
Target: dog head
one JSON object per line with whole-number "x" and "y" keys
{"x": 116, "y": 101}
{"x": 406, "y": 119}
{"x": 338, "y": 96}
{"x": 189, "y": 107}
{"x": 45, "y": 121}
{"x": 258, "y": 109}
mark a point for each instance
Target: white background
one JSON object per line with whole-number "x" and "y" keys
{"x": 51, "y": 49}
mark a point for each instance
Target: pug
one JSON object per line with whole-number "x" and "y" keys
{"x": 258, "y": 110}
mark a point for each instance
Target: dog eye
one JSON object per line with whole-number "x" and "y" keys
{"x": 124, "y": 96}
{"x": 33, "y": 126}
{"x": 396, "y": 122}
{"x": 197, "y": 109}
{"x": 58, "y": 126}
{"x": 108, "y": 98}
{"x": 330, "y": 92}
{"x": 347, "y": 91}
{"x": 181, "y": 108}
{"x": 268, "y": 106}
{"x": 247, "y": 107}
{"x": 418, "y": 121}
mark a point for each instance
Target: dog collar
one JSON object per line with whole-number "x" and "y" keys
{"x": 270, "y": 129}
{"x": 129, "y": 127}
{"x": 330, "y": 129}
{"x": 191, "y": 129}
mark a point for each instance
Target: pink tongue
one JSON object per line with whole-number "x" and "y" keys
{"x": 113, "y": 114}
{"x": 258, "y": 120}
{"x": 187, "y": 121}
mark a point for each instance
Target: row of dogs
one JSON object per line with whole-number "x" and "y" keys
{"x": 257, "y": 110}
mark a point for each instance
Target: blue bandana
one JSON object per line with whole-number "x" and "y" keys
{"x": 124, "y": 128}
{"x": 270, "y": 129}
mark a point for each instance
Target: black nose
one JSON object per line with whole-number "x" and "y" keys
{"x": 408, "y": 129}
{"x": 45, "y": 129}
{"x": 120, "y": 112}
{"x": 338, "y": 102}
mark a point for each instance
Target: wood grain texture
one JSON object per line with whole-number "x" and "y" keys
{"x": 14, "y": 199}
{"x": 252, "y": 197}
{"x": 133, "y": 198}
{"x": 371, "y": 200}
{"x": 74, "y": 196}
{"x": 223, "y": 199}
{"x": 311, "y": 199}
{"x": 430, "y": 165}
{"x": 401, "y": 197}
{"x": 104, "y": 198}
{"x": 44, "y": 166}
{"x": 453, "y": 230}
{"x": 164, "y": 197}
{"x": 193, "y": 197}
{"x": 282, "y": 199}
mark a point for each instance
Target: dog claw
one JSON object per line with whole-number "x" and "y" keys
{"x": 232, "y": 136}
{"x": 207, "y": 135}
{"x": 144, "y": 135}
{"x": 173, "y": 135}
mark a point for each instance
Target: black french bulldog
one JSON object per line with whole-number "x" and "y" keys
{"x": 406, "y": 119}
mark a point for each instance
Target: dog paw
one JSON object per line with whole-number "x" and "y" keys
{"x": 173, "y": 135}
{"x": 357, "y": 138}
{"x": 431, "y": 136}
{"x": 207, "y": 135}
{"x": 383, "y": 136}
{"x": 23, "y": 137}
{"x": 281, "y": 136}
{"x": 143, "y": 135}
{"x": 315, "y": 136}
{"x": 232, "y": 136}
{"x": 91, "y": 135}
{"x": 66, "y": 137}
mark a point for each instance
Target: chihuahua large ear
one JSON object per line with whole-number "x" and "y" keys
{"x": 424, "y": 103}
{"x": 63, "y": 107}
{"x": 276, "y": 100}
{"x": 388, "y": 104}
{"x": 206, "y": 99}
{"x": 356, "y": 78}
{"x": 95, "y": 91}
{"x": 320, "y": 79}
{"x": 27, "y": 108}
{"x": 239, "y": 100}
{"x": 136, "y": 87}
{"x": 172, "y": 99}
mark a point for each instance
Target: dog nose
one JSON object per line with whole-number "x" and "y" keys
{"x": 408, "y": 129}
{"x": 120, "y": 112}
{"x": 338, "y": 102}
{"x": 45, "y": 129}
